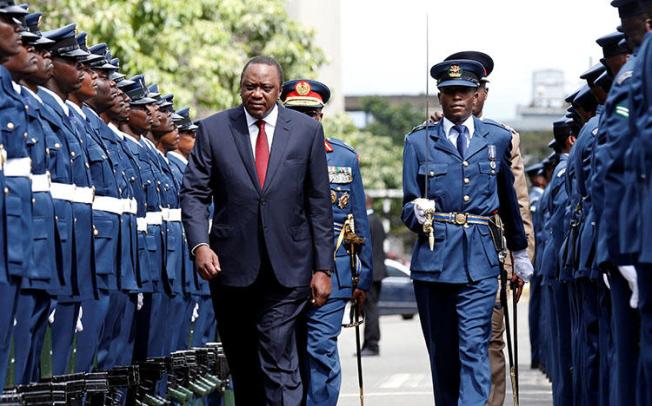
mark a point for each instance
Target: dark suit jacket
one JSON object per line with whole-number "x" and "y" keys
{"x": 291, "y": 215}
{"x": 377, "y": 250}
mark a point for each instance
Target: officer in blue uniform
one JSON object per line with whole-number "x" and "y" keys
{"x": 321, "y": 371}
{"x": 17, "y": 192}
{"x": 34, "y": 300}
{"x": 610, "y": 257}
{"x": 190, "y": 283}
{"x": 638, "y": 196}
{"x": 107, "y": 211}
{"x": 466, "y": 163}
{"x": 66, "y": 58}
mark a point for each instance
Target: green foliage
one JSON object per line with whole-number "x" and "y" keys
{"x": 534, "y": 146}
{"x": 391, "y": 121}
{"x": 380, "y": 159}
{"x": 192, "y": 48}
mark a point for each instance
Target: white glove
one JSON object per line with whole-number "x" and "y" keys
{"x": 629, "y": 273}
{"x": 420, "y": 206}
{"x": 195, "y": 313}
{"x": 79, "y": 327}
{"x": 51, "y": 317}
{"x": 139, "y": 301}
{"x": 522, "y": 265}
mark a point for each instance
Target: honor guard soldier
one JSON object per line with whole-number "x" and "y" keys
{"x": 617, "y": 257}
{"x": 466, "y": 163}
{"x": 321, "y": 369}
{"x": 34, "y": 301}
{"x": 15, "y": 201}
{"x": 66, "y": 59}
{"x": 638, "y": 195}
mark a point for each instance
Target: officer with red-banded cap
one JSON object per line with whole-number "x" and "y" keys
{"x": 320, "y": 369}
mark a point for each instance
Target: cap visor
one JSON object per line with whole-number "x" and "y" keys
{"x": 303, "y": 103}
{"x": 14, "y": 10}
{"x": 457, "y": 82}
{"x": 142, "y": 101}
{"x": 75, "y": 53}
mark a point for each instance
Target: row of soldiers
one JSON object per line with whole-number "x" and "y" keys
{"x": 590, "y": 312}
{"x": 91, "y": 240}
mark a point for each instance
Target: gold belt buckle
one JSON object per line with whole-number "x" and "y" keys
{"x": 461, "y": 218}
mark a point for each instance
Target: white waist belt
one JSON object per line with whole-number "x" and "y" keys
{"x": 131, "y": 206}
{"x": 174, "y": 215}
{"x": 141, "y": 223}
{"x": 62, "y": 191}
{"x": 83, "y": 195}
{"x": 41, "y": 183}
{"x": 108, "y": 204}
{"x": 154, "y": 218}
{"x": 165, "y": 213}
{"x": 18, "y": 167}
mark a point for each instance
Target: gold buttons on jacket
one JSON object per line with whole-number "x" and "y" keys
{"x": 467, "y": 198}
{"x": 10, "y": 125}
{"x": 467, "y": 181}
{"x": 465, "y": 163}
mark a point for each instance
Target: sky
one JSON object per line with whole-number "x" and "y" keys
{"x": 384, "y": 43}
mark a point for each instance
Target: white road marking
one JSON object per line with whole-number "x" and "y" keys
{"x": 395, "y": 381}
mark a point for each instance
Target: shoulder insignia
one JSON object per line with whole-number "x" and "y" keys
{"x": 561, "y": 172}
{"x": 340, "y": 143}
{"x": 624, "y": 76}
{"x": 499, "y": 124}
{"x": 622, "y": 111}
{"x": 340, "y": 174}
{"x": 422, "y": 126}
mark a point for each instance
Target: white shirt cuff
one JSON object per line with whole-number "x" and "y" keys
{"x": 192, "y": 251}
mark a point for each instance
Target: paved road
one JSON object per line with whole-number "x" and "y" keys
{"x": 401, "y": 374}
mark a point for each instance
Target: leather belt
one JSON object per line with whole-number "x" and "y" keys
{"x": 461, "y": 219}
{"x": 108, "y": 204}
{"x": 18, "y": 167}
{"x": 154, "y": 218}
{"x": 62, "y": 191}
{"x": 141, "y": 224}
{"x": 41, "y": 183}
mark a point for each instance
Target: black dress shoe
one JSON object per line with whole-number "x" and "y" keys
{"x": 368, "y": 352}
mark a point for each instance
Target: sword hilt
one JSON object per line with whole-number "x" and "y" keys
{"x": 428, "y": 228}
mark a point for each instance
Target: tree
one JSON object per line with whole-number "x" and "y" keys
{"x": 192, "y": 48}
{"x": 391, "y": 121}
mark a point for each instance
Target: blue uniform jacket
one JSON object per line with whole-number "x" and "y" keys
{"x": 583, "y": 163}
{"x": 17, "y": 189}
{"x": 461, "y": 254}
{"x": 618, "y": 139}
{"x": 189, "y": 277}
{"x": 541, "y": 216}
{"x": 636, "y": 228}
{"x": 554, "y": 226}
{"x": 348, "y": 197}
{"x": 42, "y": 272}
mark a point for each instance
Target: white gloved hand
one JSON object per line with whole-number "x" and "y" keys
{"x": 195, "y": 313}
{"x": 522, "y": 265}
{"x": 139, "y": 301}
{"x": 79, "y": 327}
{"x": 629, "y": 273}
{"x": 420, "y": 206}
{"x": 51, "y": 317}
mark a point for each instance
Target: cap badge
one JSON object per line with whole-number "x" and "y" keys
{"x": 303, "y": 88}
{"x": 455, "y": 71}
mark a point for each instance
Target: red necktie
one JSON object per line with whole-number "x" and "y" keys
{"x": 262, "y": 153}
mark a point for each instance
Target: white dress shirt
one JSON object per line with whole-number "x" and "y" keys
{"x": 270, "y": 126}
{"x": 179, "y": 157}
{"x": 452, "y": 135}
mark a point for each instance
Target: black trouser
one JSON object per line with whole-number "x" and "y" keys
{"x": 371, "y": 323}
{"x": 257, "y": 327}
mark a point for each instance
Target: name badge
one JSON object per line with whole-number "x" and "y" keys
{"x": 340, "y": 174}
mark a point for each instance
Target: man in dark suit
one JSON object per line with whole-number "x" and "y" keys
{"x": 270, "y": 246}
{"x": 372, "y": 322}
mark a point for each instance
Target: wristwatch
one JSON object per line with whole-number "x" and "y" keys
{"x": 328, "y": 272}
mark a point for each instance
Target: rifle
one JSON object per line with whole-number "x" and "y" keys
{"x": 352, "y": 241}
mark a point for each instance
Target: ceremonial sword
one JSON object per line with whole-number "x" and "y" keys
{"x": 428, "y": 228}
